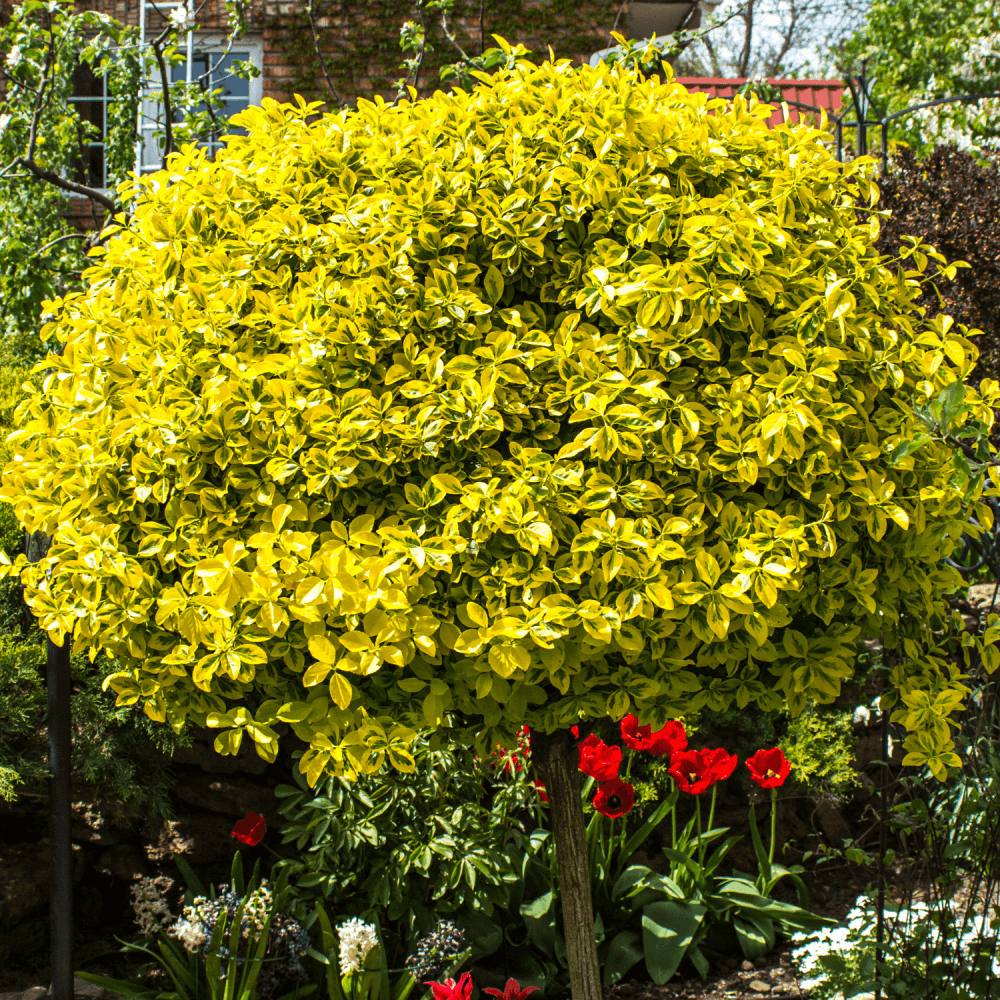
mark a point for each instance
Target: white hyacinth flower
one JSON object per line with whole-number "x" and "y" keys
{"x": 356, "y": 939}
{"x": 150, "y": 908}
{"x": 861, "y": 716}
{"x": 192, "y": 936}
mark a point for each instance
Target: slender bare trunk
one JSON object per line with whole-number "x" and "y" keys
{"x": 555, "y": 757}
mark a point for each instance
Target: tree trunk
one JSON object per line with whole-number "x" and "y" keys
{"x": 555, "y": 758}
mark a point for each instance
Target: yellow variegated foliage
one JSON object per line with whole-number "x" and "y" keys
{"x": 569, "y": 397}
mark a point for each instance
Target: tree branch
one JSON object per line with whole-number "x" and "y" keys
{"x": 747, "y": 39}
{"x": 618, "y": 16}
{"x": 713, "y": 55}
{"x": 40, "y": 101}
{"x": 319, "y": 52}
{"x": 454, "y": 41}
{"x": 786, "y": 43}
{"x": 168, "y": 111}
{"x": 60, "y": 182}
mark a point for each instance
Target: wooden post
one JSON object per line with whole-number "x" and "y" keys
{"x": 555, "y": 757}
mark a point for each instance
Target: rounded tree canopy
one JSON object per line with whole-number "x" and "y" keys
{"x": 571, "y": 396}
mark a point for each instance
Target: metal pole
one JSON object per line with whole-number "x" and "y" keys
{"x": 142, "y": 86}
{"x": 882, "y": 844}
{"x": 189, "y": 14}
{"x": 60, "y": 846}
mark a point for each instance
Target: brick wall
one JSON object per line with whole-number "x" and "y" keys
{"x": 363, "y": 54}
{"x": 360, "y": 41}
{"x": 370, "y": 44}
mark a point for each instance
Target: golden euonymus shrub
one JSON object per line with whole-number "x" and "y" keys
{"x": 571, "y": 396}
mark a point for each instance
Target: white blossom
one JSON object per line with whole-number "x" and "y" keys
{"x": 356, "y": 940}
{"x": 861, "y": 716}
{"x": 854, "y": 938}
{"x": 149, "y": 907}
{"x": 192, "y": 936}
{"x": 181, "y": 18}
{"x": 14, "y": 56}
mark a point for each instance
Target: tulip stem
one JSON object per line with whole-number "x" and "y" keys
{"x": 774, "y": 822}
{"x": 621, "y": 845}
{"x": 711, "y": 818}
{"x": 701, "y": 846}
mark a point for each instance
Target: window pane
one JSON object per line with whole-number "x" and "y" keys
{"x": 90, "y": 168}
{"x": 86, "y": 83}
{"x": 235, "y": 86}
{"x": 212, "y": 70}
{"x": 90, "y": 103}
{"x": 93, "y": 112}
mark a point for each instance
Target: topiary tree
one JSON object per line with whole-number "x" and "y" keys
{"x": 571, "y": 396}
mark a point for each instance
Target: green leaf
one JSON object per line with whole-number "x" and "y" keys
{"x": 639, "y": 837}
{"x": 192, "y": 880}
{"x": 753, "y": 941}
{"x": 685, "y": 861}
{"x": 493, "y": 285}
{"x": 758, "y": 845}
{"x": 699, "y": 961}
{"x": 331, "y": 947}
{"x": 668, "y": 928}
{"x": 133, "y": 990}
{"x": 624, "y": 952}
{"x": 540, "y": 920}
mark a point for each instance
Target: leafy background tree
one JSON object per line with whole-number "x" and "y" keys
{"x": 773, "y": 38}
{"x": 920, "y": 50}
{"x": 42, "y": 257}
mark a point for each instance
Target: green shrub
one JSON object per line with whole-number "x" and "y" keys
{"x": 818, "y": 746}
{"x": 410, "y": 849}
{"x": 572, "y": 395}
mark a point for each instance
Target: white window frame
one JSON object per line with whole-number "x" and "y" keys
{"x": 148, "y": 154}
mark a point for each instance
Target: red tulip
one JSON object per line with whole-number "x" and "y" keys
{"x": 692, "y": 770}
{"x": 769, "y": 768}
{"x": 600, "y": 761}
{"x": 614, "y": 798}
{"x": 633, "y": 734}
{"x": 575, "y": 730}
{"x": 722, "y": 763}
{"x": 668, "y": 740}
{"x": 250, "y": 830}
{"x": 450, "y": 990}
{"x": 512, "y": 991}
{"x": 542, "y": 794}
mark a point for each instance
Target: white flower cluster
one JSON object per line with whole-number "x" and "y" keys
{"x": 14, "y": 56}
{"x": 197, "y": 921}
{"x": 257, "y": 906}
{"x": 854, "y": 939}
{"x": 982, "y": 58}
{"x": 356, "y": 939}
{"x": 150, "y": 907}
{"x": 960, "y": 124}
{"x": 181, "y": 18}
{"x": 191, "y": 935}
